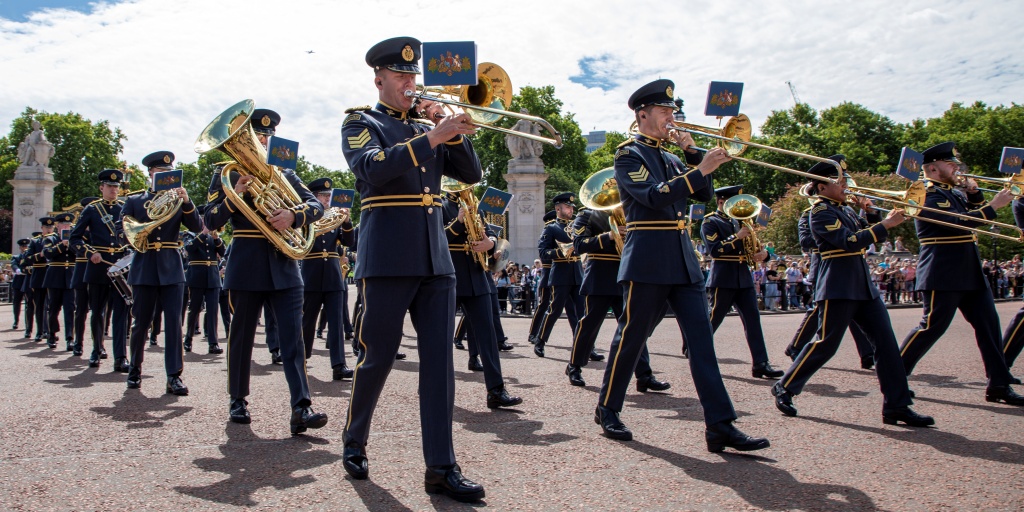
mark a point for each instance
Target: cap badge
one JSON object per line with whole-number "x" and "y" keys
{"x": 327, "y": 184}
{"x": 167, "y": 159}
{"x": 668, "y": 91}
{"x": 842, "y": 163}
{"x": 113, "y": 177}
{"x": 265, "y": 121}
{"x": 408, "y": 54}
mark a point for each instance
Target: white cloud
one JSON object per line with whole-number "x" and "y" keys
{"x": 162, "y": 70}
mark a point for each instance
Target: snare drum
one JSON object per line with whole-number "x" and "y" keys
{"x": 118, "y": 273}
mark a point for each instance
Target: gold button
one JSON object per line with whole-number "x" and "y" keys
{"x": 427, "y": 200}
{"x": 682, "y": 224}
{"x": 430, "y": 210}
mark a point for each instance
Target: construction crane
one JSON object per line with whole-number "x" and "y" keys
{"x": 792, "y": 91}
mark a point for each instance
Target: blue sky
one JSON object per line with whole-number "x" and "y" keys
{"x": 162, "y": 69}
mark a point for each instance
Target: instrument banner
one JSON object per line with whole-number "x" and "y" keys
{"x": 724, "y": 99}
{"x": 764, "y": 215}
{"x": 283, "y": 153}
{"x": 1012, "y": 160}
{"x": 450, "y": 63}
{"x": 910, "y": 164}
{"x": 342, "y": 198}
{"x": 696, "y": 212}
{"x": 495, "y": 201}
{"x": 167, "y": 180}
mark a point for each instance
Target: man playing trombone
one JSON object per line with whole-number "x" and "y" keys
{"x": 949, "y": 271}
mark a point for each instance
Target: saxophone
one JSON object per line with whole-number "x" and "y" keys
{"x": 475, "y": 229}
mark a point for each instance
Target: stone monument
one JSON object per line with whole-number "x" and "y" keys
{"x": 33, "y": 183}
{"x": 525, "y": 179}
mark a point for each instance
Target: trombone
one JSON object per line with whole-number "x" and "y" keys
{"x": 734, "y": 137}
{"x": 912, "y": 201}
{"x": 486, "y": 103}
{"x": 1015, "y": 183}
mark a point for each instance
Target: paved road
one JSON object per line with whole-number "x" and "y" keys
{"x": 75, "y": 438}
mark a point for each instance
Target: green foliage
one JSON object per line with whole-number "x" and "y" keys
{"x": 980, "y": 133}
{"x": 604, "y": 156}
{"x": 82, "y": 149}
{"x": 568, "y": 166}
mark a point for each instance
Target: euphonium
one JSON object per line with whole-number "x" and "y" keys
{"x": 231, "y": 132}
{"x": 160, "y": 209}
{"x": 601, "y": 192}
{"x": 475, "y": 229}
{"x": 333, "y": 217}
{"x": 744, "y": 208}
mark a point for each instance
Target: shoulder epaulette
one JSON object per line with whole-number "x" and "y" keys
{"x": 360, "y": 108}
{"x": 549, "y": 222}
{"x": 37, "y": 237}
{"x": 709, "y": 214}
{"x": 819, "y": 206}
{"x": 626, "y": 142}
{"x": 805, "y": 210}
{"x": 94, "y": 202}
{"x": 135, "y": 193}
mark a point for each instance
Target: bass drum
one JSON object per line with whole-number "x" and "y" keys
{"x": 118, "y": 273}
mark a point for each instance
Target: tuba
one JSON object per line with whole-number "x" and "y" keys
{"x": 601, "y": 192}
{"x": 231, "y": 132}
{"x": 744, "y": 208}
{"x": 475, "y": 229}
{"x": 160, "y": 209}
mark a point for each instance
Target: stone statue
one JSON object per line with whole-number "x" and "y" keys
{"x": 522, "y": 148}
{"x": 35, "y": 150}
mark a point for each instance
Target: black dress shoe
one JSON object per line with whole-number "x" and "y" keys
{"x": 176, "y": 387}
{"x": 70, "y": 346}
{"x": 348, "y": 336}
{"x": 215, "y": 349}
{"x": 724, "y": 435}
{"x": 575, "y": 374}
{"x": 121, "y": 365}
{"x": 304, "y": 417}
{"x": 134, "y": 378}
{"x": 505, "y": 346}
{"x": 341, "y": 372}
{"x": 651, "y": 383}
{"x": 532, "y": 340}
{"x": 103, "y": 353}
{"x": 275, "y": 356}
{"x": 320, "y": 334}
{"x": 765, "y": 371}
{"x": 94, "y": 360}
{"x": 1004, "y": 394}
{"x": 912, "y": 394}
{"x": 400, "y": 356}
{"x": 459, "y": 345}
{"x": 474, "y": 365}
{"x": 790, "y": 353}
{"x": 1014, "y": 380}
{"x": 594, "y": 356}
{"x": 354, "y": 459}
{"x": 238, "y": 412}
{"x": 908, "y": 416}
{"x": 867, "y": 362}
{"x": 611, "y": 425}
{"x": 52, "y": 343}
{"x": 499, "y": 397}
{"x": 152, "y": 342}
{"x": 448, "y": 480}
{"x": 187, "y": 344}
{"x": 783, "y": 400}
{"x": 28, "y": 335}
{"x": 77, "y": 349}
{"x": 15, "y": 328}
{"x": 538, "y": 349}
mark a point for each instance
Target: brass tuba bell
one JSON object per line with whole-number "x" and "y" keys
{"x": 601, "y": 192}
{"x": 744, "y": 208}
{"x": 231, "y": 133}
{"x": 160, "y": 209}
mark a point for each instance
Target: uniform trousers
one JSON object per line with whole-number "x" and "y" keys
{"x": 464, "y": 330}
{"x": 595, "y": 307}
{"x": 644, "y": 303}
{"x": 270, "y": 326}
{"x": 563, "y": 297}
{"x": 1013, "y": 338}
{"x": 245, "y": 313}
{"x": 835, "y": 318}
{"x": 104, "y": 299}
{"x": 17, "y": 297}
{"x": 330, "y": 301}
{"x": 745, "y": 300}
{"x": 430, "y": 302}
{"x": 144, "y": 310}
{"x": 81, "y": 311}
{"x": 979, "y": 310}
{"x": 478, "y": 316}
{"x": 198, "y": 296}
{"x": 346, "y": 319}
{"x": 809, "y": 327}
{"x": 39, "y": 296}
{"x": 30, "y": 310}
{"x": 61, "y": 298}
{"x": 543, "y": 301}
{"x": 357, "y": 317}
{"x": 225, "y": 309}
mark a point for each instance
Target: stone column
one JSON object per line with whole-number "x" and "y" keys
{"x": 525, "y": 179}
{"x": 33, "y": 198}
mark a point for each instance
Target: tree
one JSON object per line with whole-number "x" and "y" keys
{"x": 980, "y": 133}
{"x": 82, "y": 149}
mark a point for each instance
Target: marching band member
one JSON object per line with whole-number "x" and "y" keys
{"x": 80, "y": 287}
{"x": 95, "y": 237}
{"x": 404, "y": 263}
{"x": 202, "y": 277}
{"x": 566, "y": 273}
{"x": 845, "y": 292}
{"x": 659, "y": 264}
{"x": 944, "y": 248}
{"x": 38, "y": 277}
{"x": 543, "y": 289}
{"x": 17, "y": 294}
{"x": 1013, "y": 336}
{"x": 730, "y": 282}
{"x": 60, "y": 269}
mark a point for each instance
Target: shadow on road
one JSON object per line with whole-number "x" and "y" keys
{"x": 508, "y": 428}
{"x": 762, "y": 485}
{"x": 138, "y": 411}
{"x": 252, "y": 463}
